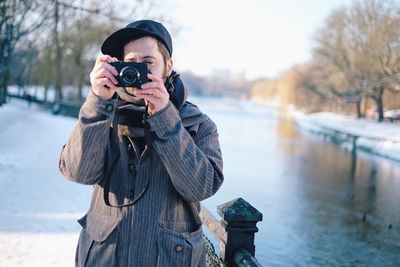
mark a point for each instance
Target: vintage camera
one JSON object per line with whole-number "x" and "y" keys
{"x": 131, "y": 74}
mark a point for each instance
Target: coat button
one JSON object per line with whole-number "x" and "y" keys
{"x": 147, "y": 125}
{"x": 109, "y": 107}
{"x": 131, "y": 167}
{"x": 178, "y": 248}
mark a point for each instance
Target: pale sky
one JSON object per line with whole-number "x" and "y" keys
{"x": 261, "y": 38}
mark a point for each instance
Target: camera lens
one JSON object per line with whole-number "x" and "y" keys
{"x": 129, "y": 75}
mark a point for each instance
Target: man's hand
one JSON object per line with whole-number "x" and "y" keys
{"x": 154, "y": 93}
{"x": 102, "y": 77}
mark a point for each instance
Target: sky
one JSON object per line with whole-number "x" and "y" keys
{"x": 254, "y": 38}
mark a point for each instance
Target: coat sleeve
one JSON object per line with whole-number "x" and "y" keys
{"x": 82, "y": 157}
{"x": 194, "y": 167}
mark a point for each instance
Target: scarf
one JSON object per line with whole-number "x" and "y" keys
{"x": 132, "y": 110}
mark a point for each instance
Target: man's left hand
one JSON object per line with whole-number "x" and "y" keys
{"x": 154, "y": 93}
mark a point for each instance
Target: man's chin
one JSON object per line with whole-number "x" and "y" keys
{"x": 131, "y": 90}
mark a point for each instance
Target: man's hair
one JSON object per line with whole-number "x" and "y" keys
{"x": 164, "y": 52}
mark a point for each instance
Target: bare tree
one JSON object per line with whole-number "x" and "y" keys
{"x": 68, "y": 46}
{"x": 382, "y": 47}
{"x": 18, "y": 18}
{"x": 358, "y": 51}
{"x": 79, "y": 28}
{"x": 337, "y": 60}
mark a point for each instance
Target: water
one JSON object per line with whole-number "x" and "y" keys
{"x": 321, "y": 206}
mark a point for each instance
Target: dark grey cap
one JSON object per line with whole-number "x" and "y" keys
{"x": 114, "y": 44}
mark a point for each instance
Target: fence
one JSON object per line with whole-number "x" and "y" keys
{"x": 235, "y": 232}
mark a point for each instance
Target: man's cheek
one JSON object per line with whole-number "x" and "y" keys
{"x": 159, "y": 73}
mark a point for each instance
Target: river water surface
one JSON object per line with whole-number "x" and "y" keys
{"x": 321, "y": 206}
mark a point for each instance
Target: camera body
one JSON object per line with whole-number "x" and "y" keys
{"x": 131, "y": 74}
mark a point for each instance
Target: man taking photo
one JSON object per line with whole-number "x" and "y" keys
{"x": 151, "y": 156}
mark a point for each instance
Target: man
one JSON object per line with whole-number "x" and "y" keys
{"x": 150, "y": 155}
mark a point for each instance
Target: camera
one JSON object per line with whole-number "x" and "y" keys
{"x": 131, "y": 74}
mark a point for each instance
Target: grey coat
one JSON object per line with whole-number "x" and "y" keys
{"x": 182, "y": 167}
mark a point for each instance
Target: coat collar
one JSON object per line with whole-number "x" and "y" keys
{"x": 191, "y": 117}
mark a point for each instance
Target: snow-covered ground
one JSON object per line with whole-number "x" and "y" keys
{"x": 38, "y": 207}
{"x": 378, "y": 138}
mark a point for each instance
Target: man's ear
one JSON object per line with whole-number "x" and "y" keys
{"x": 170, "y": 66}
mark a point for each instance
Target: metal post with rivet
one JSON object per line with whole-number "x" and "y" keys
{"x": 239, "y": 221}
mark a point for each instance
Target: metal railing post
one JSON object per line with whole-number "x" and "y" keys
{"x": 239, "y": 222}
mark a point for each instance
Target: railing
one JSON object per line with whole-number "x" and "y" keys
{"x": 70, "y": 109}
{"x": 235, "y": 232}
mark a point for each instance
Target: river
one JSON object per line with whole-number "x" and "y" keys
{"x": 321, "y": 205}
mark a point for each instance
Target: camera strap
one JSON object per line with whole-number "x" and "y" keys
{"x": 176, "y": 90}
{"x": 110, "y": 164}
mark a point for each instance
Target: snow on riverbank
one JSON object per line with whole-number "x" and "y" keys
{"x": 378, "y": 138}
{"x": 38, "y": 207}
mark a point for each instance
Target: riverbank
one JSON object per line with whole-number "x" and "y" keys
{"x": 38, "y": 207}
{"x": 381, "y": 139}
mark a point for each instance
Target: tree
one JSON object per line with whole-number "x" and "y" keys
{"x": 78, "y": 31}
{"x": 18, "y": 18}
{"x": 358, "y": 51}
{"x": 313, "y": 91}
{"x": 78, "y": 44}
{"x": 382, "y": 22}
{"x": 67, "y": 48}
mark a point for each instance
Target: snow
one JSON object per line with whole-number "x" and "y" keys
{"x": 38, "y": 207}
{"x": 382, "y": 138}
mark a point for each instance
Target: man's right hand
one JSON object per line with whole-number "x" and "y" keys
{"x": 102, "y": 77}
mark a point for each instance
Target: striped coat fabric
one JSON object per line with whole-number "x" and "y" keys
{"x": 181, "y": 167}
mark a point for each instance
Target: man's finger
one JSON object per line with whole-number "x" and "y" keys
{"x": 111, "y": 69}
{"x": 155, "y": 84}
{"x": 149, "y": 98}
{"x": 153, "y": 94}
{"x": 106, "y": 82}
{"x": 105, "y": 65}
{"x": 103, "y": 58}
{"x": 154, "y": 78}
{"x": 102, "y": 73}
{"x": 151, "y": 91}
